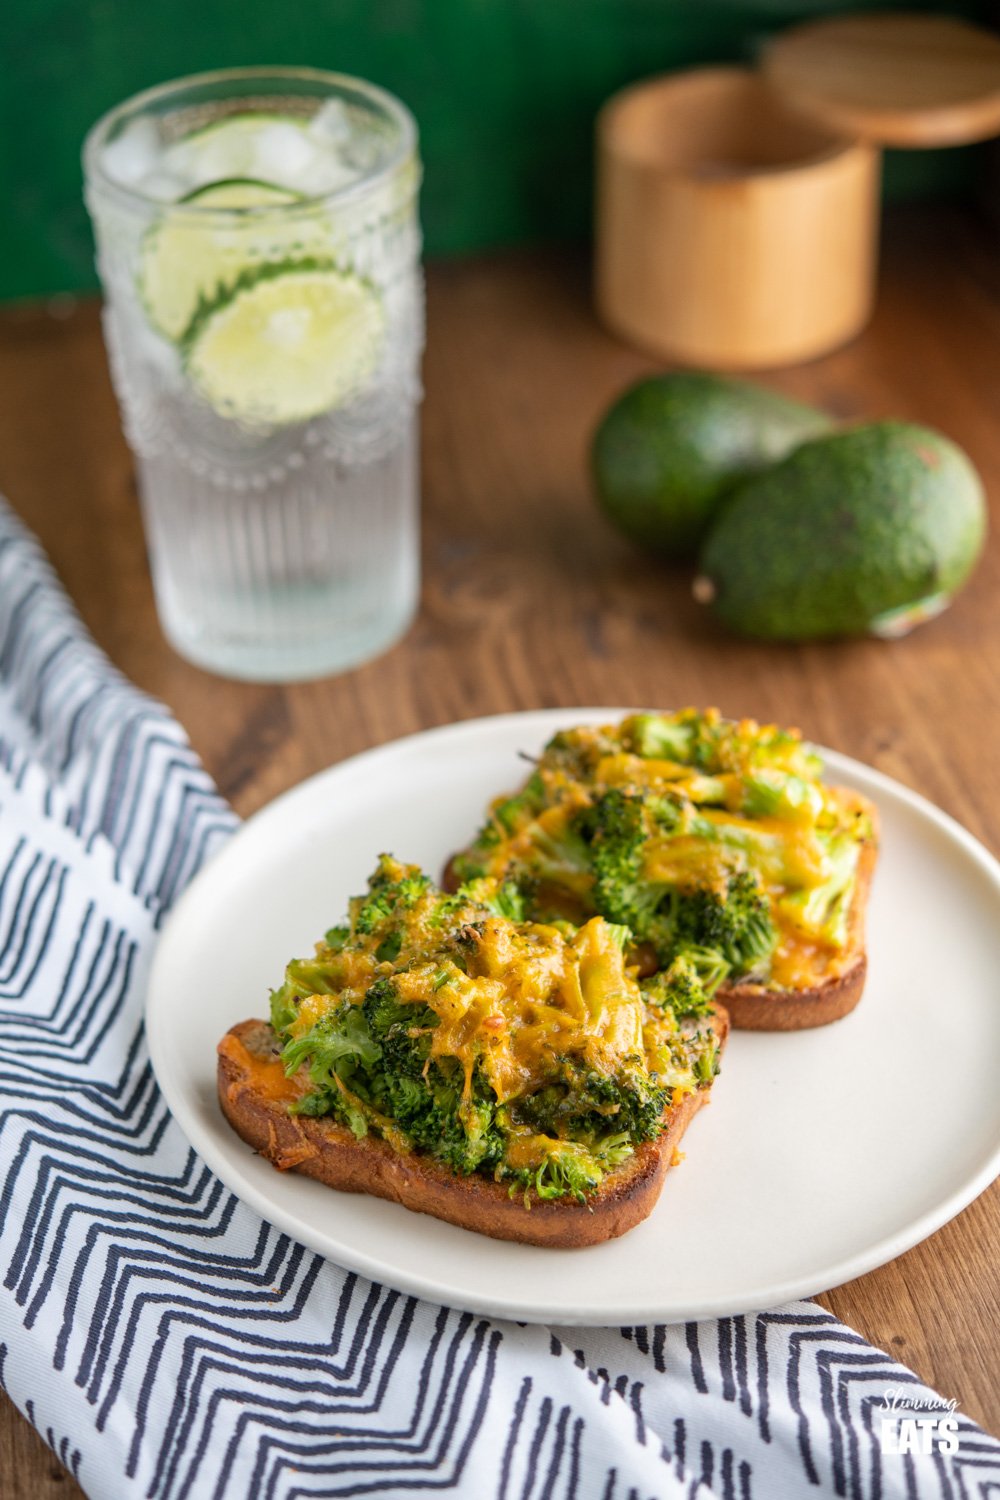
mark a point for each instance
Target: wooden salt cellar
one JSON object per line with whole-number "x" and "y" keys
{"x": 737, "y": 211}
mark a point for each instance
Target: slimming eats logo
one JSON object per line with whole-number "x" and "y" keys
{"x": 911, "y": 1424}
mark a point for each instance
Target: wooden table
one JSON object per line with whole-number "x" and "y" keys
{"x": 530, "y": 601}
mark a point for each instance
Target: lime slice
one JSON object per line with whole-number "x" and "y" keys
{"x": 232, "y": 147}
{"x": 240, "y": 192}
{"x": 286, "y": 150}
{"x": 185, "y": 262}
{"x": 287, "y": 343}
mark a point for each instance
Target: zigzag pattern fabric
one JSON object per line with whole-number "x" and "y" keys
{"x": 170, "y": 1344}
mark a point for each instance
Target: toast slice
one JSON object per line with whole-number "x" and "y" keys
{"x": 255, "y": 1095}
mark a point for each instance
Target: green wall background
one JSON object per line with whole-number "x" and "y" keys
{"x": 504, "y": 91}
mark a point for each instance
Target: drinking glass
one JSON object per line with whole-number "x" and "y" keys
{"x": 258, "y": 245}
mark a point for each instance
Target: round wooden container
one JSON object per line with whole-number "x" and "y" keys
{"x": 732, "y": 232}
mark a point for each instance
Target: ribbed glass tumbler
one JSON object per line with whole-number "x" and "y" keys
{"x": 259, "y": 250}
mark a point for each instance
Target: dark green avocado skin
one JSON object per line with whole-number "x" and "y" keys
{"x": 846, "y": 530}
{"x": 673, "y": 445}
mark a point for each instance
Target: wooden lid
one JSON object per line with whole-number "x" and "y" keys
{"x": 894, "y": 80}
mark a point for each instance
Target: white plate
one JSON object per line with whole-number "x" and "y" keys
{"x": 823, "y": 1153}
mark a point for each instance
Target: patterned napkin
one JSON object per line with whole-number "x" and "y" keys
{"x": 168, "y": 1343}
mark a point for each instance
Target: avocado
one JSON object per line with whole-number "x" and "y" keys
{"x": 869, "y": 531}
{"x": 673, "y": 445}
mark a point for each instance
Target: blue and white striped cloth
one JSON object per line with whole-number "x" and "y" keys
{"x": 168, "y": 1343}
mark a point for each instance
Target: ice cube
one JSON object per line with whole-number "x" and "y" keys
{"x": 331, "y": 124}
{"x": 179, "y": 162}
{"x": 214, "y": 154}
{"x": 327, "y": 175}
{"x": 362, "y": 152}
{"x": 284, "y": 154}
{"x": 163, "y": 186}
{"x": 134, "y": 153}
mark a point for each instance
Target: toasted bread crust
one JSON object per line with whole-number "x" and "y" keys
{"x": 755, "y": 1007}
{"x": 332, "y": 1154}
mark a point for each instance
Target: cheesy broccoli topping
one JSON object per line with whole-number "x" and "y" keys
{"x": 705, "y": 837}
{"x": 528, "y": 1051}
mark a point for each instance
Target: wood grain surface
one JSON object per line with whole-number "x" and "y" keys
{"x": 531, "y": 601}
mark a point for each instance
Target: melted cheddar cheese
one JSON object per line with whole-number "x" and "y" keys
{"x": 530, "y": 997}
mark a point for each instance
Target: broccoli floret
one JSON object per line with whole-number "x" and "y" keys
{"x": 470, "y": 1140}
{"x": 738, "y": 926}
{"x": 615, "y": 829}
{"x": 373, "y": 910}
{"x": 559, "y": 859}
{"x": 424, "y": 1096}
{"x": 504, "y": 899}
{"x": 427, "y": 1105}
{"x": 689, "y": 738}
{"x": 573, "y": 1170}
{"x": 706, "y": 1062}
{"x": 319, "y": 1102}
{"x": 488, "y": 837}
{"x": 339, "y": 1045}
{"x": 401, "y": 1029}
{"x": 465, "y": 940}
{"x": 710, "y": 967}
{"x": 614, "y": 832}
{"x": 383, "y": 1009}
{"x": 659, "y": 737}
{"x": 381, "y": 1051}
{"x": 668, "y": 813}
{"x": 591, "y": 1106}
{"x": 303, "y": 976}
{"x": 284, "y": 1007}
{"x": 565, "y": 1174}
{"x": 680, "y": 988}
{"x": 330, "y": 1101}
{"x": 776, "y": 794}
{"x": 525, "y": 804}
{"x": 392, "y": 886}
{"x": 631, "y": 1103}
